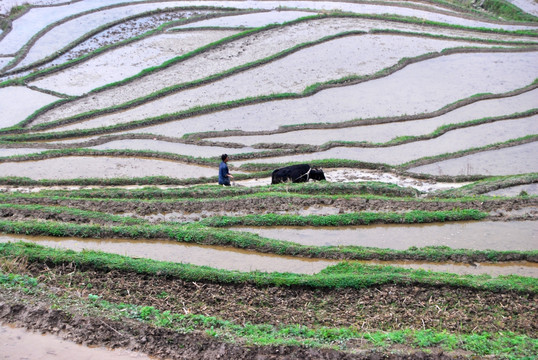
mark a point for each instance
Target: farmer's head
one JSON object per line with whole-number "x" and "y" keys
{"x": 224, "y": 157}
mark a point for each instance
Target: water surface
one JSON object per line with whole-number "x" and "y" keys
{"x": 479, "y": 235}
{"x": 104, "y": 167}
{"x": 242, "y": 260}
{"x": 507, "y": 161}
{"x": 17, "y": 343}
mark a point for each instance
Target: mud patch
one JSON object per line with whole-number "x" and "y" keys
{"x": 386, "y": 307}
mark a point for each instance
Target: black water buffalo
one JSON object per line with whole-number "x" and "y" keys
{"x": 297, "y": 174}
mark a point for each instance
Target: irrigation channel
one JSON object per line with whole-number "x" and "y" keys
{"x": 421, "y": 243}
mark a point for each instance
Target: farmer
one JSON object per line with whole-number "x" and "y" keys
{"x": 224, "y": 173}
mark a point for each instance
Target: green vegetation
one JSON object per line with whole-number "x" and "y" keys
{"x": 506, "y": 10}
{"x": 504, "y": 343}
{"x": 482, "y": 344}
{"x": 343, "y": 275}
{"x": 362, "y": 218}
{"x": 490, "y": 184}
{"x": 199, "y": 234}
{"x": 215, "y": 192}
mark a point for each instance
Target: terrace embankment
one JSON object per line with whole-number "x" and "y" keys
{"x": 382, "y": 307}
{"x": 220, "y": 257}
{"x": 500, "y": 208}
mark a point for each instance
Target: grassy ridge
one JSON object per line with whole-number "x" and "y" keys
{"x": 198, "y": 234}
{"x": 344, "y": 275}
{"x": 212, "y": 191}
{"x": 362, "y": 218}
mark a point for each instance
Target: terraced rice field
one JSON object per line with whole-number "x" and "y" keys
{"x": 422, "y": 243}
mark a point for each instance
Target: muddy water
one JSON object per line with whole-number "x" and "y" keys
{"x": 334, "y": 59}
{"x": 419, "y": 88}
{"x": 527, "y": 6}
{"x": 452, "y": 141}
{"x": 507, "y": 161}
{"x": 250, "y": 20}
{"x": 72, "y": 167}
{"x": 385, "y": 132}
{"x": 175, "y": 148}
{"x": 507, "y": 268}
{"x": 356, "y": 8}
{"x": 531, "y": 189}
{"x": 357, "y": 175}
{"x": 18, "y": 102}
{"x": 215, "y": 256}
{"x": 217, "y": 60}
{"x": 516, "y": 235}
{"x": 17, "y": 343}
{"x": 19, "y": 151}
{"x": 62, "y": 35}
{"x": 241, "y": 260}
{"x": 152, "y": 51}
{"x": 36, "y": 19}
{"x": 290, "y": 74}
{"x": 239, "y": 52}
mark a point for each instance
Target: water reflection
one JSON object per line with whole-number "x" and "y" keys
{"x": 243, "y": 260}
{"x": 483, "y": 235}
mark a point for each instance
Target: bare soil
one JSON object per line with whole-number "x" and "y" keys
{"x": 385, "y": 307}
{"x": 499, "y": 207}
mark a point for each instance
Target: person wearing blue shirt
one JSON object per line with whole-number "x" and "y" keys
{"x": 224, "y": 173}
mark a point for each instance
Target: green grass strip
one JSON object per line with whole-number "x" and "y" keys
{"x": 279, "y": 192}
{"x": 490, "y": 184}
{"x": 506, "y": 10}
{"x": 362, "y": 218}
{"x": 203, "y": 235}
{"x": 214, "y": 191}
{"x": 431, "y": 159}
{"x": 343, "y": 275}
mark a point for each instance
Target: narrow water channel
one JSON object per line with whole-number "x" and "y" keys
{"x": 215, "y": 256}
{"x": 243, "y": 260}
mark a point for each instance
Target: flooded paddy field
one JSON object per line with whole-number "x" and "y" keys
{"x": 215, "y": 256}
{"x": 386, "y": 132}
{"x": 464, "y": 82}
{"x": 481, "y": 235}
{"x": 421, "y": 242}
{"x": 453, "y": 141}
{"x": 73, "y": 167}
{"x": 137, "y": 56}
{"x": 511, "y": 160}
{"x": 242, "y": 260}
